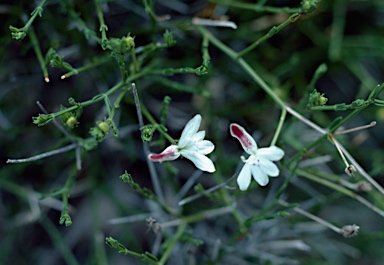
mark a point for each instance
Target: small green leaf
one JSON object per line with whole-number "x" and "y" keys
{"x": 316, "y": 99}
{"x": 43, "y": 119}
{"x": 168, "y": 38}
{"x": 65, "y": 219}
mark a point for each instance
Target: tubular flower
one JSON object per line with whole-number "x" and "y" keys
{"x": 191, "y": 145}
{"x": 259, "y": 164}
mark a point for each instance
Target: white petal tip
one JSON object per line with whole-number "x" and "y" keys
{"x": 243, "y": 186}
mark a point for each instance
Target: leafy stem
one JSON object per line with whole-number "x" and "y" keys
{"x": 76, "y": 71}
{"x": 20, "y": 33}
{"x": 248, "y": 69}
{"x": 44, "y": 119}
{"x": 39, "y": 55}
{"x": 273, "y": 31}
{"x": 148, "y": 257}
{"x": 172, "y": 244}
{"x": 258, "y": 7}
{"x": 103, "y": 26}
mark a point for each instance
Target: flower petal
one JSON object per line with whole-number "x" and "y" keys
{"x": 170, "y": 153}
{"x": 259, "y": 175}
{"x": 269, "y": 167}
{"x": 190, "y": 130}
{"x": 205, "y": 147}
{"x": 198, "y": 136}
{"x": 247, "y": 142}
{"x": 201, "y": 161}
{"x": 244, "y": 178}
{"x": 273, "y": 153}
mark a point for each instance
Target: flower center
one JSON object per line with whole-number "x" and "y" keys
{"x": 253, "y": 159}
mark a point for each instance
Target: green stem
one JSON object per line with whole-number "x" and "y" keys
{"x": 248, "y": 69}
{"x": 259, "y": 7}
{"x": 336, "y": 40}
{"x": 379, "y": 102}
{"x": 20, "y": 33}
{"x": 38, "y": 11}
{"x": 103, "y": 26}
{"x": 65, "y": 217}
{"x": 86, "y": 103}
{"x": 340, "y": 189}
{"x": 301, "y": 153}
{"x": 58, "y": 241}
{"x": 345, "y": 120}
{"x": 172, "y": 71}
{"x": 180, "y": 86}
{"x": 375, "y": 92}
{"x": 14, "y": 188}
{"x": 39, "y": 55}
{"x": 76, "y": 71}
{"x": 159, "y": 128}
{"x": 87, "y": 32}
{"x": 172, "y": 244}
{"x": 135, "y": 65}
{"x": 273, "y": 31}
{"x": 320, "y": 71}
{"x": 340, "y": 107}
{"x": 228, "y": 199}
{"x": 280, "y": 191}
{"x": 205, "y": 52}
{"x": 279, "y": 126}
{"x": 113, "y": 243}
{"x": 99, "y": 97}
{"x": 149, "y": 9}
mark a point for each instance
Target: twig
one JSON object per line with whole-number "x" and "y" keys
{"x": 70, "y": 137}
{"x": 128, "y": 219}
{"x": 43, "y": 155}
{"x": 196, "y": 196}
{"x": 151, "y": 167}
{"x": 346, "y": 231}
{"x": 191, "y": 180}
{"x": 213, "y": 23}
{"x": 56, "y": 123}
{"x": 346, "y": 153}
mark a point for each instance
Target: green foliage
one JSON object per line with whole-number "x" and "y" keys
{"x": 139, "y": 71}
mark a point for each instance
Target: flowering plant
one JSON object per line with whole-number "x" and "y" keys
{"x": 191, "y": 145}
{"x": 259, "y": 164}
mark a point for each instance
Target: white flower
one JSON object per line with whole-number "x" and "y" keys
{"x": 259, "y": 164}
{"x": 191, "y": 145}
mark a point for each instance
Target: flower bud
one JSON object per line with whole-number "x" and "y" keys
{"x": 130, "y": 42}
{"x": 316, "y": 99}
{"x": 103, "y": 126}
{"x": 72, "y": 122}
{"x": 147, "y": 132}
{"x": 168, "y": 38}
{"x": 308, "y": 5}
{"x": 349, "y": 230}
{"x": 363, "y": 186}
{"x": 97, "y": 133}
{"x": 350, "y": 170}
{"x": 43, "y": 119}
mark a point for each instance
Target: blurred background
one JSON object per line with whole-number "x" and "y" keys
{"x": 344, "y": 35}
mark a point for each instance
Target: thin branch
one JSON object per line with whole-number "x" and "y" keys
{"x": 57, "y": 124}
{"x": 305, "y": 120}
{"x": 361, "y": 170}
{"x": 44, "y": 155}
{"x": 70, "y": 137}
{"x": 346, "y": 231}
{"x": 151, "y": 166}
{"x": 198, "y": 195}
{"x": 346, "y": 153}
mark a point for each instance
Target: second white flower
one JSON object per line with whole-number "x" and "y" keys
{"x": 259, "y": 164}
